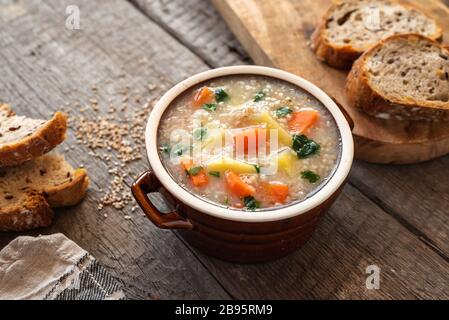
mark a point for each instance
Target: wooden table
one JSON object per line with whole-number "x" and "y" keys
{"x": 395, "y": 217}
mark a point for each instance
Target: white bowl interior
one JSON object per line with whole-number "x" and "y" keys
{"x": 277, "y": 213}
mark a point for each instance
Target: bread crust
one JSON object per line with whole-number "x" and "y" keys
{"x": 70, "y": 193}
{"x": 362, "y": 95}
{"x": 32, "y": 212}
{"x": 31, "y": 207}
{"x": 35, "y": 210}
{"x": 343, "y": 57}
{"x": 40, "y": 142}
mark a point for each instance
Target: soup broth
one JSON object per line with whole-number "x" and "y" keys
{"x": 249, "y": 142}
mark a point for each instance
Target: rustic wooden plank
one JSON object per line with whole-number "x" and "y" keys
{"x": 196, "y": 24}
{"x": 286, "y": 263}
{"x": 45, "y": 66}
{"x": 429, "y": 217}
{"x": 277, "y": 33}
{"x": 332, "y": 264}
{"x": 353, "y": 211}
{"x": 416, "y": 195}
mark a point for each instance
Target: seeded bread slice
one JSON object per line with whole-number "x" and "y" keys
{"x": 29, "y": 191}
{"x": 404, "y": 77}
{"x": 23, "y": 139}
{"x": 351, "y": 27}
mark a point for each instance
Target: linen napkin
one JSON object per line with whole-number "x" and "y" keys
{"x": 53, "y": 268}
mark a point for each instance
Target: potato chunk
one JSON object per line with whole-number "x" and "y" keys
{"x": 286, "y": 159}
{"x": 265, "y": 118}
{"x": 225, "y": 163}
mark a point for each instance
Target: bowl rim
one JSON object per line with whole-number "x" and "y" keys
{"x": 337, "y": 179}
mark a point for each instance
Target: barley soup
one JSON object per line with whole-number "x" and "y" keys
{"x": 249, "y": 142}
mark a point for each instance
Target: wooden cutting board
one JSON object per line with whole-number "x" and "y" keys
{"x": 277, "y": 33}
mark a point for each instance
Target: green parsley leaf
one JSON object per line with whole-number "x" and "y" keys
{"x": 257, "y": 168}
{"x": 310, "y": 175}
{"x": 165, "y": 148}
{"x": 179, "y": 150}
{"x": 251, "y": 203}
{"x": 283, "y": 112}
{"x": 200, "y": 133}
{"x": 194, "y": 171}
{"x": 210, "y": 106}
{"x": 214, "y": 173}
{"x": 304, "y": 147}
{"x": 221, "y": 95}
{"x": 259, "y": 96}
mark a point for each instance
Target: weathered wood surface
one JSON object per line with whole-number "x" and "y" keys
{"x": 422, "y": 213}
{"x": 354, "y": 235}
{"x": 417, "y": 195}
{"x": 43, "y": 65}
{"x": 277, "y": 33}
{"x": 196, "y": 25}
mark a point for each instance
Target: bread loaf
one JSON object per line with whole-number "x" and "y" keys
{"x": 29, "y": 191}
{"x": 351, "y": 27}
{"x": 23, "y": 139}
{"x": 404, "y": 77}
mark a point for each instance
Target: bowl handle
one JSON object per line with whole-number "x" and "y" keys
{"x": 145, "y": 184}
{"x": 345, "y": 113}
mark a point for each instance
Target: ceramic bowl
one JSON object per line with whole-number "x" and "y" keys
{"x": 234, "y": 235}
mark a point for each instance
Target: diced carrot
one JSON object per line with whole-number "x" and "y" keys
{"x": 203, "y": 96}
{"x": 275, "y": 192}
{"x": 250, "y": 134}
{"x": 237, "y": 186}
{"x": 198, "y": 180}
{"x": 302, "y": 120}
{"x": 187, "y": 163}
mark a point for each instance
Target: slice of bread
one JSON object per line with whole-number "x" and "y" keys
{"x": 29, "y": 191}
{"x": 351, "y": 27}
{"x": 23, "y": 139}
{"x": 404, "y": 77}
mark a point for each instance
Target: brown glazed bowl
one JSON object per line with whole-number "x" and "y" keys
{"x": 231, "y": 234}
